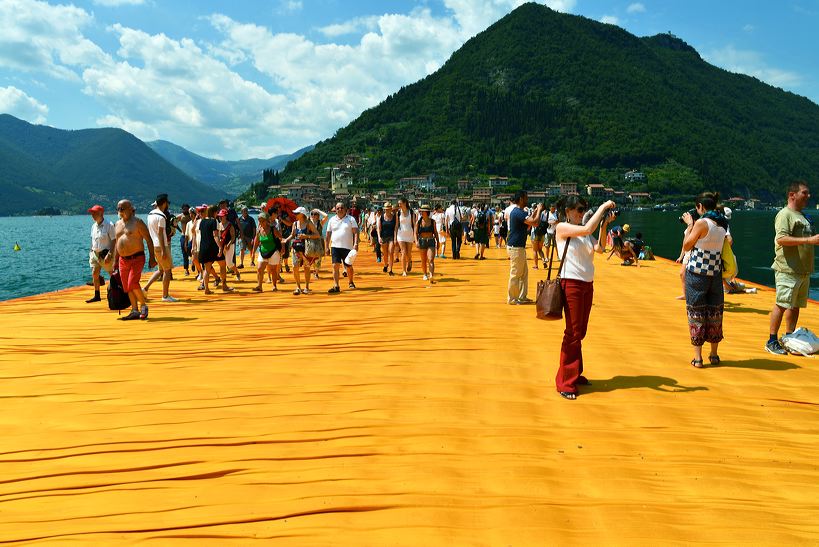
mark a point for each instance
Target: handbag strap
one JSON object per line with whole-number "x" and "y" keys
{"x": 563, "y": 258}
{"x": 552, "y": 247}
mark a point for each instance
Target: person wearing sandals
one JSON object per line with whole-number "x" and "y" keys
{"x": 319, "y": 219}
{"x": 703, "y": 276}
{"x": 303, "y": 231}
{"x": 439, "y": 217}
{"x": 266, "y": 248}
{"x": 426, "y": 237}
{"x": 385, "y": 228}
{"x": 576, "y": 241}
{"x": 405, "y": 234}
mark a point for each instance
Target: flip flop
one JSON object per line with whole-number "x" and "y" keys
{"x": 696, "y": 363}
{"x": 568, "y": 395}
{"x": 714, "y": 360}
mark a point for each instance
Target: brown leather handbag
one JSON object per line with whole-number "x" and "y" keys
{"x": 549, "y": 300}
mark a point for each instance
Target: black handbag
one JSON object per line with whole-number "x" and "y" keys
{"x": 549, "y": 299}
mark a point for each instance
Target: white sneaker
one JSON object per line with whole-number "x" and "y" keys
{"x": 404, "y": 274}
{"x": 426, "y": 277}
{"x": 169, "y": 298}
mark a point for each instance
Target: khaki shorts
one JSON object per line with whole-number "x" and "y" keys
{"x": 95, "y": 262}
{"x": 164, "y": 263}
{"x": 792, "y": 290}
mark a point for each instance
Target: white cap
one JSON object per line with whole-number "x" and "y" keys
{"x": 153, "y": 204}
{"x": 301, "y": 210}
{"x": 727, "y": 212}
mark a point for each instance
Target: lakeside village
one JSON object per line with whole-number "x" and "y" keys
{"x": 341, "y": 184}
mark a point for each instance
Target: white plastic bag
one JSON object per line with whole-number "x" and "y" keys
{"x": 801, "y": 341}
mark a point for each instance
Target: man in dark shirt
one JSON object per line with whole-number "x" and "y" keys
{"x": 247, "y": 233}
{"x": 519, "y": 224}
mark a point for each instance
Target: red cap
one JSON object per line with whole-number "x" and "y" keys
{"x": 97, "y": 209}
{"x": 222, "y": 213}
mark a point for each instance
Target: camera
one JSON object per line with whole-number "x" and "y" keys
{"x": 614, "y": 213}
{"x": 694, "y": 216}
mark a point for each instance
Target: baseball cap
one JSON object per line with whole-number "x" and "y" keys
{"x": 96, "y": 209}
{"x": 222, "y": 213}
{"x": 301, "y": 211}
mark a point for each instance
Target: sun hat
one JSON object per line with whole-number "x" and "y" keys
{"x": 350, "y": 260}
{"x": 727, "y": 212}
{"x": 425, "y": 208}
{"x": 264, "y": 216}
{"x": 626, "y": 227}
{"x": 96, "y": 209}
{"x": 387, "y": 204}
{"x": 222, "y": 213}
{"x": 300, "y": 211}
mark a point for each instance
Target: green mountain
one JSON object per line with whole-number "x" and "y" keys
{"x": 233, "y": 177}
{"x": 71, "y": 170}
{"x": 542, "y": 96}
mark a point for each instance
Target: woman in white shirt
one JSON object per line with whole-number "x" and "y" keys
{"x": 405, "y": 234}
{"x": 577, "y": 281}
{"x": 704, "y": 298}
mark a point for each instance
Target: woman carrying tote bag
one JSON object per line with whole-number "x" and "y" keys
{"x": 576, "y": 280}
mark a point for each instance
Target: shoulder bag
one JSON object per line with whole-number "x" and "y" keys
{"x": 549, "y": 300}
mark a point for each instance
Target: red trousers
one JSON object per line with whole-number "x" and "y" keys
{"x": 577, "y": 303}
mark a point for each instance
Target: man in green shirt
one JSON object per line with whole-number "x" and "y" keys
{"x": 793, "y": 265}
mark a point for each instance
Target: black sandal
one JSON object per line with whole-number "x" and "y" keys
{"x": 696, "y": 363}
{"x": 568, "y": 395}
{"x": 714, "y": 360}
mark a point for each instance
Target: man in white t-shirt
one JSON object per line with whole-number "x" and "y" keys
{"x": 103, "y": 236}
{"x": 453, "y": 220}
{"x": 341, "y": 239}
{"x": 157, "y": 227}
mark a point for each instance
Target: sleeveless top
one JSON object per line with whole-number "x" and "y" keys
{"x": 268, "y": 242}
{"x": 388, "y": 226}
{"x": 706, "y": 256}
{"x": 426, "y": 231}
{"x": 579, "y": 263}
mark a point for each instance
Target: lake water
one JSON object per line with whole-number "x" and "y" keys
{"x": 54, "y": 251}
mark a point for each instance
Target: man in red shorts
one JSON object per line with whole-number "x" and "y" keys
{"x": 129, "y": 255}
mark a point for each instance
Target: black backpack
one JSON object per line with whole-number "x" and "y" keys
{"x": 481, "y": 220}
{"x": 456, "y": 229}
{"x": 117, "y": 297}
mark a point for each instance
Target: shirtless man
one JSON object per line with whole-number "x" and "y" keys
{"x": 129, "y": 255}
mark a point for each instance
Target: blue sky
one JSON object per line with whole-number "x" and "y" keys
{"x": 246, "y": 78}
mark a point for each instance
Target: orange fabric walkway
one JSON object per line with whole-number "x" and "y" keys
{"x": 401, "y": 414}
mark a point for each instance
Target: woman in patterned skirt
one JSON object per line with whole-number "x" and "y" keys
{"x": 703, "y": 277}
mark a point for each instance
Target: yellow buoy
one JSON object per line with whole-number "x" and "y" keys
{"x": 17, "y": 247}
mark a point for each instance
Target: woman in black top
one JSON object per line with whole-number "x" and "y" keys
{"x": 208, "y": 246}
{"x": 426, "y": 237}
{"x": 385, "y": 227}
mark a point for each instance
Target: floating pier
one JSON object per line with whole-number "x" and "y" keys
{"x": 401, "y": 414}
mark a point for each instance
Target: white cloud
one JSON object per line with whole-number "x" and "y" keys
{"x": 752, "y": 63}
{"x": 749, "y": 28}
{"x": 610, "y": 20}
{"x": 637, "y": 7}
{"x": 17, "y": 103}
{"x": 115, "y": 3}
{"x": 39, "y": 37}
{"x": 353, "y": 26}
{"x": 289, "y": 6}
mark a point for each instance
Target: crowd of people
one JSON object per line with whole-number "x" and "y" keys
{"x": 213, "y": 236}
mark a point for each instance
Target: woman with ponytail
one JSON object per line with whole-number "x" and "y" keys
{"x": 574, "y": 238}
{"x": 703, "y": 276}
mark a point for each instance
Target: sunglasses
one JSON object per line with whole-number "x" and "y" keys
{"x": 123, "y": 208}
